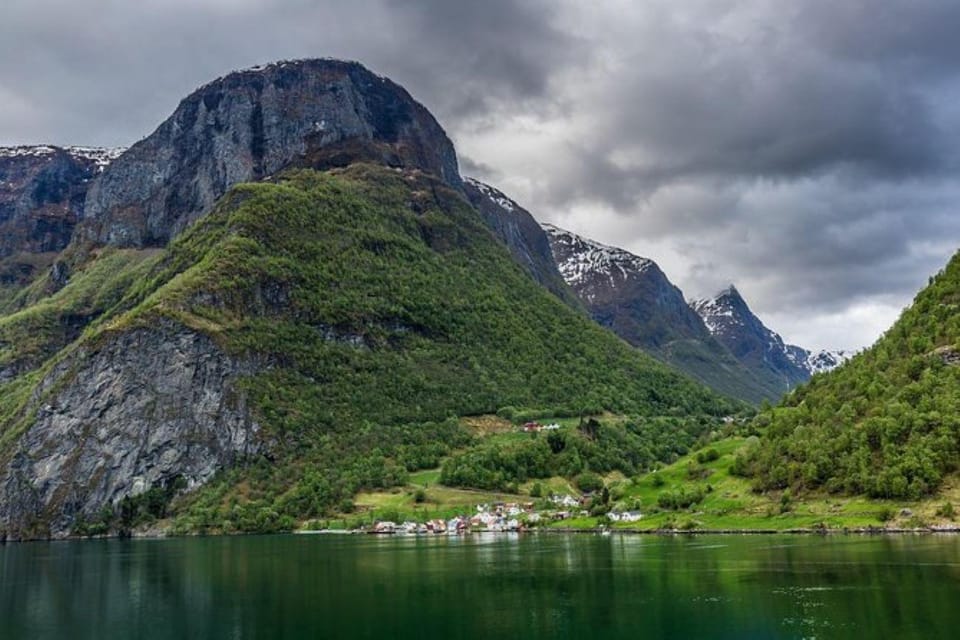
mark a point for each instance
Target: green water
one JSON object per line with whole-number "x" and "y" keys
{"x": 534, "y": 586}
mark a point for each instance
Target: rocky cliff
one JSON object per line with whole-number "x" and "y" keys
{"x": 516, "y": 228}
{"x": 250, "y": 124}
{"x": 42, "y": 193}
{"x": 144, "y": 408}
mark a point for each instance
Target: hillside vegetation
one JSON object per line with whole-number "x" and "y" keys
{"x": 886, "y": 424}
{"x": 378, "y": 307}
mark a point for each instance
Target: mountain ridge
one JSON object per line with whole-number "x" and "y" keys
{"x": 730, "y": 319}
{"x": 717, "y": 340}
{"x": 632, "y": 296}
{"x": 42, "y": 193}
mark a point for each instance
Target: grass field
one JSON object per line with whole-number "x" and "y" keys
{"x": 729, "y": 503}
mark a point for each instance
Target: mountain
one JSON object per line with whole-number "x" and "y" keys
{"x": 632, "y": 296}
{"x": 236, "y": 355}
{"x": 783, "y": 366}
{"x": 886, "y": 423}
{"x": 824, "y": 360}
{"x": 42, "y": 194}
{"x": 247, "y": 126}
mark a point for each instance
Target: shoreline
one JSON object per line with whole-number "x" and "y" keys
{"x": 858, "y": 531}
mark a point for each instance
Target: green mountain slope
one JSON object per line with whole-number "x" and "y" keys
{"x": 374, "y": 276}
{"x": 368, "y": 307}
{"x": 887, "y": 423}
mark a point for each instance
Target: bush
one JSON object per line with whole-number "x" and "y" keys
{"x": 589, "y": 482}
{"x": 681, "y": 498}
{"x": 710, "y": 455}
{"x": 696, "y": 472}
{"x": 786, "y": 501}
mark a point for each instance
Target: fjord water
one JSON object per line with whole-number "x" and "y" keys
{"x": 479, "y": 586}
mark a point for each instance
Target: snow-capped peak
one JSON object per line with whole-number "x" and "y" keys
{"x": 824, "y": 360}
{"x": 726, "y": 314}
{"x": 718, "y": 312}
{"x": 582, "y": 258}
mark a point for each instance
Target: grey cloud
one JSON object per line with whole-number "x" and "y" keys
{"x": 473, "y": 56}
{"x": 918, "y": 36}
{"x": 475, "y": 168}
{"x": 817, "y": 247}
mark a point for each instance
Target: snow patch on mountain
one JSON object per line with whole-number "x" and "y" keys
{"x": 717, "y": 313}
{"x": 495, "y": 195}
{"x": 824, "y": 360}
{"x": 101, "y": 156}
{"x": 588, "y": 259}
{"x": 726, "y": 313}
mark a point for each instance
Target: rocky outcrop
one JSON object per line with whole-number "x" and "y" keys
{"x": 515, "y": 227}
{"x": 949, "y": 355}
{"x": 251, "y": 124}
{"x": 148, "y": 406}
{"x": 42, "y": 192}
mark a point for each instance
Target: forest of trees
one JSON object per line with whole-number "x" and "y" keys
{"x": 886, "y": 424}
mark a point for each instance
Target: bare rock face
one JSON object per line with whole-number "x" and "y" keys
{"x": 146, "y": 407}
{"x": 249, "y": 125}
{"x": 625, "y": 292}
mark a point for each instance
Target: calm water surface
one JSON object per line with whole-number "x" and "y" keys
{"x": 535, "y": 586}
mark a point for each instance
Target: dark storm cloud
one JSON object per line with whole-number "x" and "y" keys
{"x": 918, "y": 36}
{"x": 804, "y": 150}
{"x": 474, "y": 56}
{"x": 768, "y": 91}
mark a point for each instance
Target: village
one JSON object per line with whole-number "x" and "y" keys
{"x": 502, "y": 517}
{"x": 507, "y": 516}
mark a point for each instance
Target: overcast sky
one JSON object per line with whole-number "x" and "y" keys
{"x": 806, "y": 151}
